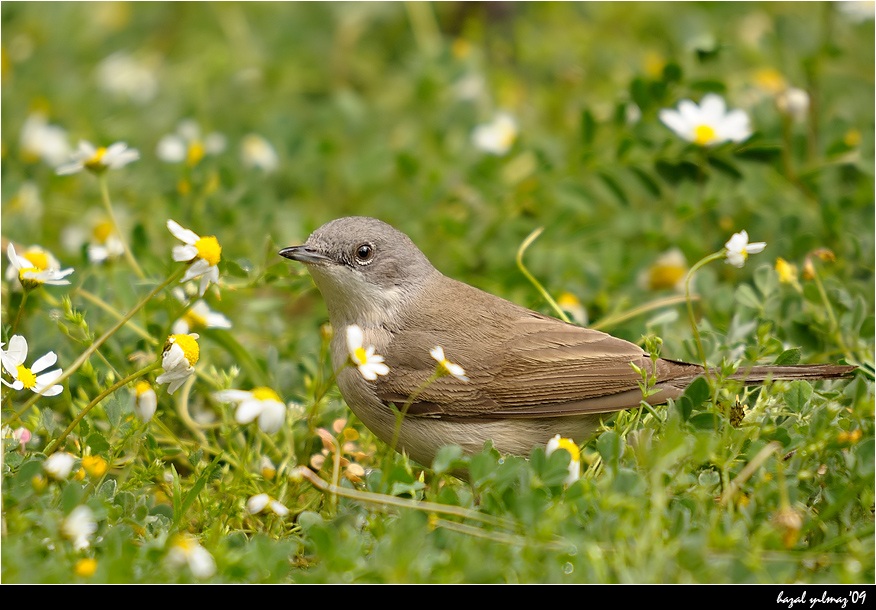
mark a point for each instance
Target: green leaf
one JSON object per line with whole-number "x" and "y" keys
{"x": 697, "y": 393}
{"x": 183, "y": 506}
{"x": 798, "y": 395}
{"x": 588, "y": 127}
{"x": 789, "y": 356}
{"x": 609, "y": 445}
{"x": 705, "y": 421}
{"x": 448, "y": 458}
{"x": 747, "y": 297}
{"x": 98, "y": 443}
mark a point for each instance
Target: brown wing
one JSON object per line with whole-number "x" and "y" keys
{"x": 519, "y": 363}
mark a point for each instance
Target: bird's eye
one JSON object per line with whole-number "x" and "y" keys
{"x": 364, "y": 253}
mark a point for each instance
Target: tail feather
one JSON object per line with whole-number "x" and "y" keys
{"x": 759, "y": 374}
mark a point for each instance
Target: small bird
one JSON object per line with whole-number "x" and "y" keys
{"x": 527, "y": 376}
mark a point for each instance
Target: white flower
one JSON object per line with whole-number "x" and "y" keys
{"x": 571, "y": 304}
{"x": 98, "y": 234}
{"x": 448, "y": 367}
{"x": 497, "y": 136}
{"x": 188, "y": 145}
{"x": 59, "y": 464}
{"x": 99, "y": 160}
{"x": 186, "y": 550}
{"x": 370, "y": 364}
{"x": 262, "y": 403}
{"x": 709, "y": 123}
{"x": 259, "y": 502}
{"x": 558, "y": 442}
{"x": 79, "y": 526}
{"x": 794, "y": 102}
{"x": 40, "y": 140}
{"x": 199, "y": 315}
{"x": 180, "y": 355}
{"x": 145, "y": 400}
{"x": 667, "y": 272}
{"x": 738, "y": 248}
{"x": 122, "y": 75}
{"x": 204, "y": 254}
{"x": 34, "y": 268}
{"x": 257, "y": 152}
{"x": 27, "y": 378}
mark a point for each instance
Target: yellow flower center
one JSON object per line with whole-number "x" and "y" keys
{"x": 571, "y": 447}
{"x": 86, "y": 567}
{"x": 665, "y": 276}
{"x": 194, "y": 320}
{"x": 209, "y": 249}
{"x": 195, "y": 153}
{"x": 189, "y": 347}
{"x": 95, "y": 163}
{"x": 102, "y": 231}
{"x": 38, "y": 258}
{"x": 704, "y": 134}
{"x": 186, "y": 543}
{"x": 141, "y": 387}
{"x": 28, "y": 282}
{"x": 360, "y": 355}
{"x": 26, "y": 376}
{"x": 264, "y": 393}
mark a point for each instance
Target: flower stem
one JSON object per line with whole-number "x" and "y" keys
{"x": 690, "y": 312}
{"x": 114, "y": 312}
{"x": 102, "y": 339}
{"x": 24, "y": 294}
{"x": 104, "y": 194}
{"x": 526, "y": 242}
{"x": 121, "y": 382}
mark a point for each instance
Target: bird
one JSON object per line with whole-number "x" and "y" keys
{"x": 527, "y": 376}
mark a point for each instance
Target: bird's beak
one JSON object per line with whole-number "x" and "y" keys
{"x": 304, "y": 254}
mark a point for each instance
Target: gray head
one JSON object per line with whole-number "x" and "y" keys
{"x": 363, "y": 267}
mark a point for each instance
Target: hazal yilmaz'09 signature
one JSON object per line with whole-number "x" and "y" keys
{"x": 826, "y": 599}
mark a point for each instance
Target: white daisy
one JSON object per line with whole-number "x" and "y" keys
{"x": 370, "y": 365}
{"x": 187, "y": 144}
{"x": 446, "y": 366}
{"x": 145, "y": 400}
{"x": 59, "y": 465}
{"x": 79, "y": 526}
{"x": 34, "y": 268}
{"x": 497, "y": 136}
{"x": 100, "y": 159}
{"x": 180, "y": 355}
{"x": 262, "y": 403}
{"x": 709, "y": 123}
{"x": 199, "y": 315}
{"x": 27, "y": 378}
{"x": 186, "y": 550}
{"x": 40, "y": 140}
{"x": 255, "y": 151}
{"x": 204, "y": 254}
{"x": 259, "y": 502}
{"x": 738, "y": 248}
{"x": 558, "y": 442}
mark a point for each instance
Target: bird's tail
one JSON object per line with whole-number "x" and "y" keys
{"x": 759, "y": 374}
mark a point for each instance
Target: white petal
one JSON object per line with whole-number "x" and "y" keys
{"x": 45, "y": 362}
{"x": 674, "y": 121}
{"x": 279, "y": 509}
{"x": 16, "y": 354}
{"x": 257, "y": 503}
{"x": 272, "y": 417}
{"x": 437, "y": 353}
{"x": 713, "y": 108}
{"x": 182, "y": 254}
{"x": 184, "y": 235}
{"x": 232, "y": 395}
{"x": 355, "y": 337}
{"x": 171, "y": 149}
{"x": 755, "y": 247}
{"x": 247, "y": 411}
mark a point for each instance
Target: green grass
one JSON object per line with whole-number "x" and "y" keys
{"x": 370, "y": 108}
